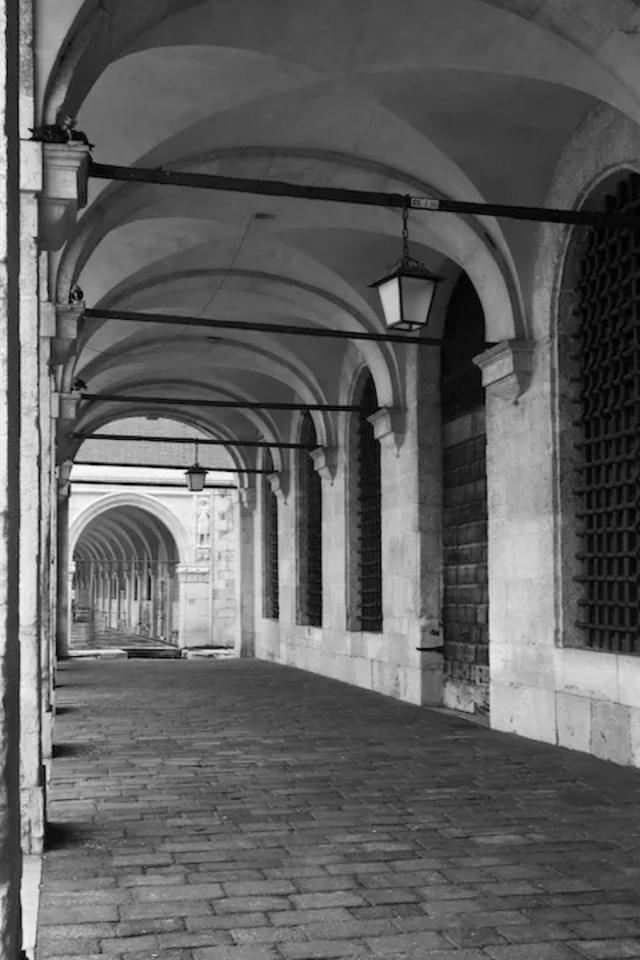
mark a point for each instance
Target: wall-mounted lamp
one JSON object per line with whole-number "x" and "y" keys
{"x": 407, "y": 293}
{"x": 196, "y": 475}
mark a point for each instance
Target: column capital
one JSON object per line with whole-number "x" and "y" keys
{"x": 67, "y": 318}
{"x": 507, "y": 368}
{"x": 277, "y": 483}
{"x": 246, "y": 497}
{"x": 325, "y": 462}
{"x": 389, "y": 427}
{"x": 64, "y": 190}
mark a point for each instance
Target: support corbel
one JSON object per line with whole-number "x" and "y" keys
{"x": 247, "y": 497}
{"x": 63, "y": 344}
{"x": 277, "y": 485}
{"x": 325, "y": 462}
{"x": 507, "y": 369}
{"x": 389, "y": 427}
{"x": 64, "y": 193}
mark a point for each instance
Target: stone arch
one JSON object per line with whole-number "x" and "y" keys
{"x": 131, "y": 499}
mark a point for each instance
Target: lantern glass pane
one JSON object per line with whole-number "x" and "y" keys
{"x": 417, "y": 294}
{"x": 389, "y": 292}
{"x": 195, "y": 480}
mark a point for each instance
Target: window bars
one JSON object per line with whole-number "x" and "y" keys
{"x": 310, "y": 530}
{"x": 608, "y": 487}
{"x": 368, "y": 508}
{"x": 271, "y": 595}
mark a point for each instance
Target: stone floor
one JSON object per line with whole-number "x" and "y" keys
{"x": 238, "y": 810}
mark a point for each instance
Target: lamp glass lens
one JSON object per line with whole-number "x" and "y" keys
{"x": 389, "y": 292}
{"x": 195, "y": 480}
{"x": 417, "y": 294}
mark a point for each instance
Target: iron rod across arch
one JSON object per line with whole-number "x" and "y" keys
{"x": 134, "y": 316}
{"x": 229, "y": 404}
{"x": 152, "y": 483}
{"x": 279, "y": 188}
{"x": 138, "y": 437}
{"x": 162, "y": 466}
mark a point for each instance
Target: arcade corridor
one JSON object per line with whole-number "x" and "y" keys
{"x": 264, "y": 813}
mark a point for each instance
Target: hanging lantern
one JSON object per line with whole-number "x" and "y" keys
{"x": 407, "y": 294}
{"x": 196, "y": 475}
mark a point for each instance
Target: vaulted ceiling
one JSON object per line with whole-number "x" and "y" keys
{"x": 466, "y": 99}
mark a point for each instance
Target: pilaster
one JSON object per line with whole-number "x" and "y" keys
{"x": 245, "y": 511}
{"x": 10, "y": 673}
{"x": 31, "y": 707}
{"x": 521, "y": 538}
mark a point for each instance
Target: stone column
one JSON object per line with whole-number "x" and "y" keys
{"x": 520, "y": 494}
{"x": 195, "y": 620}
{"x": 244, "y": 507}
{"x": 62, "y": 620}
{"x": 32, "y": 780}
{"x": 223, "y": 569}
{"x": 10, "y": 853}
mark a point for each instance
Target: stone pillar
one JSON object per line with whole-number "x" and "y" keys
{"x": 223, "y": 569}
{"x": 244, "y": 507}
{"x": 32, "y": 780}
{"x": 520, "y": 492}
{"x": 62, "y": 620}
{"x": 195, "y": 619}
{"x": 10, "y": 853}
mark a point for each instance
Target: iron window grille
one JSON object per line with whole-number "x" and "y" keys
{"x": 271, "y": 565}
{"x": 368, "y": 508}
{"x": 606, "y": 348}
{"x": 310, "y": 530}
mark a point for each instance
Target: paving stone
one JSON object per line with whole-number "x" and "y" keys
{"x": 321, "y": 949}
{"x": 409, "y": 944}
{"x": 238, "y": 810}
{"x": 254, "y": 952}
{"x": 533, "y": 951}
{"x": 608, "y": 949}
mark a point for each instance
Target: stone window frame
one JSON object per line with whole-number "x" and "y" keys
{"x": 269, "y": 602}
{"x": 353, "y": 621}
{"x": 303, "y": 463}
{"x": 567, "y": 432}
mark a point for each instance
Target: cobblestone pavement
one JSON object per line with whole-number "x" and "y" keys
{"x": 238, "y": 810}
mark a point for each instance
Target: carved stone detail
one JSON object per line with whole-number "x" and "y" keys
{"x": 277, "y": 484}
{"x": 507, "y": 368}
{"x": 64, "y": 191}
{"x": 325, "y": 462}
{"x": 389, "y": 427}
{"x": 63, "y": 344}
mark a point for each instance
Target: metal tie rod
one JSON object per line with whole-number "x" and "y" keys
{"x": 228, "y": 404}
{"x": 134, "y": 316}
{"x": 161, "y": 466}
{"x": 150, "y": 483}
{"x": 279, "y": 188}
{"x": 140, "y": 437}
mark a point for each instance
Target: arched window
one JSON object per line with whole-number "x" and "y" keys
{"x": 600, "y": 364}
{"x": 271, "y": 605}
{"x": 366, "y": 516}
{"x": 309, "y": 530}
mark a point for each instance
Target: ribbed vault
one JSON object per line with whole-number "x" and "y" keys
{"x": 469, "y": 99}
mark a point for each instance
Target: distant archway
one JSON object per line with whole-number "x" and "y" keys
{"x": 125, "y": 579}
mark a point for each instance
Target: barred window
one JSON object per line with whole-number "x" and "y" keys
{"x": 309, "y": 529}
{"x": 606, "y": 352}
{"x": 271, "y": 606}
{"x": 367, "y": 504}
